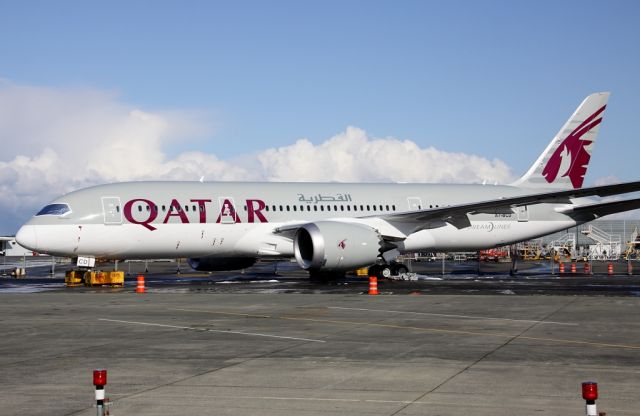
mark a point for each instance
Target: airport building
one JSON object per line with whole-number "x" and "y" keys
{"x": 598, "y": 240}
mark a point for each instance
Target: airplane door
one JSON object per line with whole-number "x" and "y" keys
{"x": 523, "y": 213}
{"x": 415, "y": 203}
{"x": 111, "y": 210}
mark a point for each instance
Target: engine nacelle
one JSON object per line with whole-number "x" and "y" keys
{"x": 339, "y": 246}
{"x": 216, "y": 264}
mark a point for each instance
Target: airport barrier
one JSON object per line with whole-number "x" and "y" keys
{"x": 140, "y": 287}
{"x": 373, "y": 285}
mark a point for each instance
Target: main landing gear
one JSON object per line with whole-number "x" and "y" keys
{"x": 381, "y": 271}
{"x": 385, "y": 271}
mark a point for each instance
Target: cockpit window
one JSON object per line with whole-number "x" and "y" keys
{"x": 54, "y": 209}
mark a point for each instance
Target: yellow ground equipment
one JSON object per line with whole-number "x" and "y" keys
{"x": 99, "y": 278}
{"x": 73, "y": 278}
{"x": 363, "y": 272}
{"x": 94, "y": 278}
{"x": 633, "y": 246}
{"x": 530, "y": 250}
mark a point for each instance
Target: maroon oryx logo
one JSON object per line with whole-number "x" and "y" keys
{"x": 572, "y": 157}
{"x": 342, "y": 244}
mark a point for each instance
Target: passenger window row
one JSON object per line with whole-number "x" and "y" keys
{"x": 281, "y": 208}
{"x": 336, "y": 208}
{"x": 163, "y": 208}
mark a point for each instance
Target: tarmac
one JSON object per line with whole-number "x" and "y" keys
{"x": 271, "y": 343}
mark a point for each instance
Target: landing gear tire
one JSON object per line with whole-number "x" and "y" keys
{"x": 381, "y": 271}
{"x": 385, "y": 272}
{"x": 400, "y": 269}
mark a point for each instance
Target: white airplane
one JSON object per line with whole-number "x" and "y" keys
{"x": 329, "y": 228}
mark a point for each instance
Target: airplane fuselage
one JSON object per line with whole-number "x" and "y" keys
{"x": 194, "y": 219}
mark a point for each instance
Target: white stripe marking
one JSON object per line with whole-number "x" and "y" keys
{"x": 319, "y": 399}
{"x": 210, "y": 330}
{"x": 455, "y": 316}
{"x": 99, "y": 394}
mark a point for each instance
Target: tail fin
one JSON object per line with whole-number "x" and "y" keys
{"x": 564, "y": 162}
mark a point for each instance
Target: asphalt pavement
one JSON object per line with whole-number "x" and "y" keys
{"x": 267, "y": 341}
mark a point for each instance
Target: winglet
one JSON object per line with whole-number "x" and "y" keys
{"x": 564, "y": 162}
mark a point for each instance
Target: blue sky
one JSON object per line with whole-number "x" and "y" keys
{"x": 494, "y": 79}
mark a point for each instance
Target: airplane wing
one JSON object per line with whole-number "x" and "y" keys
{"x": 591, "y": 212}
{"x": 456, "y": 215}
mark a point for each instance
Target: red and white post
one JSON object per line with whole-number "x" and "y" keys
{"x": 100, "y": 380}
{"x": 590, "y": 394}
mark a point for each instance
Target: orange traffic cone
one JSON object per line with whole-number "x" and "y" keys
{"x": 610, "y": 269}
{"x": 140, "y": 287}
{"x": 373, "y": 285}
{"x": 573, "y": 268}
{"x": 561, "y": 267}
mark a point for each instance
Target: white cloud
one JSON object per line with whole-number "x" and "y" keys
{"x": 54, "y": 140}
{"x": 352, "y": 156}
{"x": 607, "y": 180}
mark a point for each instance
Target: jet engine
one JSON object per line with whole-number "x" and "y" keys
{"x": 215, "y": 264}
{"x": 336, "y": 246}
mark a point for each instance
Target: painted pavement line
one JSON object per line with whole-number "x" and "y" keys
{"x": 529, "y": 321}
{"x": 423, "y": 329}
{"x": 255, "y": 334}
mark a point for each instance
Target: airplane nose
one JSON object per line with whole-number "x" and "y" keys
{"x": 27, "y": 237}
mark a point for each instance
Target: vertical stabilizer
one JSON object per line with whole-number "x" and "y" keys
{"x": 564, "y": 162}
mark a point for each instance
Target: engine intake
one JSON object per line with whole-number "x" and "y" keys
{"x": 332, "y": 245}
